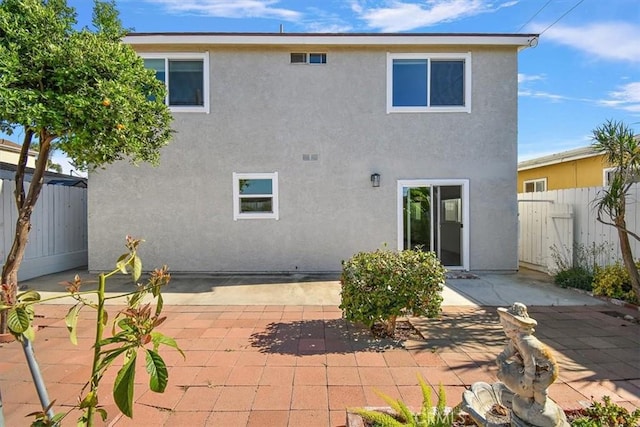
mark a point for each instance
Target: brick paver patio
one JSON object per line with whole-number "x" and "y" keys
{"x": 303, "y": 365}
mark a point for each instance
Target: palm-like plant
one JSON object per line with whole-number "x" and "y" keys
{"x": 428, "y": 416}
{"x": 622, "y": 150}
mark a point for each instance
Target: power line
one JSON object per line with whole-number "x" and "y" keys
{"x": 565, "y": 14}
{"x": 534, "y": 15}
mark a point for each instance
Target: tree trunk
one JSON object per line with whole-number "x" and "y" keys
{"x": 390, "y": 326}
{"x": 25, "y": 205}
{"x": 627, "y": 256}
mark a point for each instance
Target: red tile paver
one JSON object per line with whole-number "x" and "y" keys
{"x": 261, "y": 418}
{"x": 344, "y": 396}
{"x": 270, "y": 397}
{"x": 310, "y": 375}
{"x": 309, "y": 418}
{"x": 228, "y": 419}
{"x": 278, "y": 375}
{"x": 236, "y": 398}
{"x": 303, "y": 366}
{"x": 309, "y": 397}
{"x": 343, "y": 375}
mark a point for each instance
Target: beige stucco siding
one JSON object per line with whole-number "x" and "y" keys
{"x": 265, "y": 114}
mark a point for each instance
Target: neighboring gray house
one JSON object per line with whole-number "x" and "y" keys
{"x": 292, "y": 152}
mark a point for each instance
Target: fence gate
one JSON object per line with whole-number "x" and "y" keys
{"x": 543, "y": 224}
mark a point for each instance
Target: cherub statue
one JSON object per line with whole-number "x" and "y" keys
{"x": 526, "y": 366}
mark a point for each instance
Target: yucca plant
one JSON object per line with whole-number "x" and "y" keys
{"x": 429, "y": 416}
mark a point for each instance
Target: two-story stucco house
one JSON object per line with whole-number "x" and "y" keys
{"x": 292, "y": 152}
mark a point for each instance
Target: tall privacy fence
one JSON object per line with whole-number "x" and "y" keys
{"x": 58, "y": 237}
{"x": 566, "y": 220}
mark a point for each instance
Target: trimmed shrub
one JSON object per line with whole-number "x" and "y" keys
{"x": 574, "y": 277}
{"x": 379, "y": 286}
{"x": 613, "y": 281}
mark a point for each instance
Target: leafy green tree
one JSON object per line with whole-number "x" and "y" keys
{"x": 51, "y": 165}
{"x": 54, "y": 167}
{"x": 622, "y": 150}
{"x": 81, "y": 91}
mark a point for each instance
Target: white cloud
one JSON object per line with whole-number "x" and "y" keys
{"x": 322, "y": 21}
{"x": 229, "y": 8}
{"x": 546, "y": 95}
{"x": 524, "y": 78}
{"x": 626, "y": 98}
{"x": 403, "y": 15}
{"x": 616, "y": 41}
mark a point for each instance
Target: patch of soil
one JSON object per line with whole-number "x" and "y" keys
{"x": 404, "y": 331}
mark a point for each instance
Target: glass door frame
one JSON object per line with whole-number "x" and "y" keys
{"x": 412, "y": 183}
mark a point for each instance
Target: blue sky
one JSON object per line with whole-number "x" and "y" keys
{"x": 585, "y": 69}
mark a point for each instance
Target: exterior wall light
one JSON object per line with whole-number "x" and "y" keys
{"x": 375, "y": 180}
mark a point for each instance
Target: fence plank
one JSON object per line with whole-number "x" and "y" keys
{"x": 58, "y": 237}
{"x": 588, "y": 232}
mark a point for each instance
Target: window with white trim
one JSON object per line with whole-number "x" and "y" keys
{"x": 308, "y": 58}
{"x": 186, "y": 78}
{"x": 608, "y": 173}
{"x": 255, "y": 195}
{"x": 535, "y": 185}
{"x": 428, "y": 82}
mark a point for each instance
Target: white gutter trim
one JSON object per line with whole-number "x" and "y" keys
{"x": 523, "y": 40}
{"x": 540, "y": 164}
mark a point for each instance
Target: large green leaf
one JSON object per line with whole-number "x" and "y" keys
{"x": 110, "y": 355}
{"x": 137, "y": 268}
{"x": 123, "y": 387}
{"x": 30, "y": 333}
{"x": 122, "y": 262}
{"x": 18, "y": 320}
{"x": 159, "y": 338}
{"x": 158, "y": 374}
{"x": 28, "y": 296}
{"x": 71, "y": 320}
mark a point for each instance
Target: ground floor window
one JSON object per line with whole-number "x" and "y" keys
{"x": 535, "y": 185}
{"x": 255, "y": 195}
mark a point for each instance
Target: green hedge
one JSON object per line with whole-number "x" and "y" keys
{"x": 379, "y": 286}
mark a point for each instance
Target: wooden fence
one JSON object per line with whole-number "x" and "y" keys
{"x": 566, "y": 220}
{"x": 58, "y": 237}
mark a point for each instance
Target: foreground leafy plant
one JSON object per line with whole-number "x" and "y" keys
{"x": 607, "y": 414}
{"x": 613, "y": 281}
{"x": 133, "y": 330}
{"x": 428, "y": 416}
{"x": 382, "y": 285}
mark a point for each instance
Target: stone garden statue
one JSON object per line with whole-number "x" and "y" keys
{"x": 526, "y": 369}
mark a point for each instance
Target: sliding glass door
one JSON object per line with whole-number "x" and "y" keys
{"x": 431, "y": 217}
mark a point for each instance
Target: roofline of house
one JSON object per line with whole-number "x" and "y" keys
{"x": 335, "y": 39}
{"x": 552, "y": 159}
{"x": 7, "y": 145}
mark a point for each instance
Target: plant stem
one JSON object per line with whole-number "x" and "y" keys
{"x": 96, "y": 349}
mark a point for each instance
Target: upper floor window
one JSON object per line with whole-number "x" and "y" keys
{"x": 185, "y": 75}
{"x": 427, "y": 82}
{"x": 308, "y": 58}
{"x": 535, "y": 185}
{"x": 255, "y": 195}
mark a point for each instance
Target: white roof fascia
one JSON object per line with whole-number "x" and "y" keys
{"x": 522, "y": 40}
{"x": 568, "y": 156}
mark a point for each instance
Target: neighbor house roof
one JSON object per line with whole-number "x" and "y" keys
{"x": 7, "y": 145}
{"x": 8, "y": 170}
{"x": 552, "y": 159}
{"x": 347, "y": 39}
